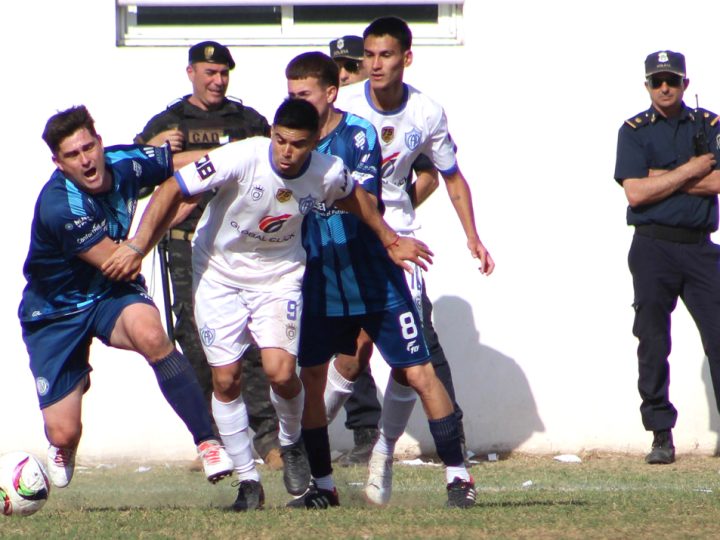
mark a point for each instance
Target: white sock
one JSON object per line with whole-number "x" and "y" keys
{"x": 337, "y": 391}
{"x": 289, "y": 412}
{"x": 397, "y": 407}
{"x": 232, "y": 422}
{"x": 456, "y": 472}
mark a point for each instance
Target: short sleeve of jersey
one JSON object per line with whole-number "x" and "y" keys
{"x": 338, "y": 182}
{"x": 231, "y": 162}
{"x": 630, "y": 161}
{"x": 442, "y": 147}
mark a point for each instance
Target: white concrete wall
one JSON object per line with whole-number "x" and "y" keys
{"x": 542, "y": 351}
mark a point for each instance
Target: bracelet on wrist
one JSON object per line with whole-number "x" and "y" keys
{"x": 394, "y": 243}
{"x": 135, "y": 249}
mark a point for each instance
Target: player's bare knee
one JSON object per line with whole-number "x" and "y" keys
{"x": 152, "y": 342}
{"x": 421, "y": 378}
{"x": 227, "y": 384}
{"x": 64, "y": 435}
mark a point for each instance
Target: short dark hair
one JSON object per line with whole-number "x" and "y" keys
{"x": 63, "y": 124}
{"x": 391, "y": 26}
{"x": 314, "y": 64}
{"x": 297, "y": 114}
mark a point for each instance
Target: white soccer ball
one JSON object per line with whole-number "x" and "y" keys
{"x": 24, "y": 485}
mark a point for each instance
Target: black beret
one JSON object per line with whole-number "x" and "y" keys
{"x": 211, "y": 51}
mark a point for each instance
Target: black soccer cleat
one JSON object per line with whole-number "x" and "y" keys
{"x": 315, "y": 498}
{"x": 251, "y": 496}
{"x": 296, "y": 468}
{"x": 461, "y": 493}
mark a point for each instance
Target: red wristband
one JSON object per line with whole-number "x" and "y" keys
{"x": 394, "y": 242}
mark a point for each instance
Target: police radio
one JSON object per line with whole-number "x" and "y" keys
{"x": 700, "y": 142}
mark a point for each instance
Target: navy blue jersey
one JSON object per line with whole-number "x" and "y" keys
{"x": 348, "y": 270}
{"x": 69, "y": 221}
{"x": 651, "y": 141}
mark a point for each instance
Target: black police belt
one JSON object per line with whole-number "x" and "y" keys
{"x": 679, "y": 235}
{"x": 179, "y": 234}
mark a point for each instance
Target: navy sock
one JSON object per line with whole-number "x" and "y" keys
{"x": 446, "y": 434}
{"x": 181, "y": 389}
{"x": 317, "y": 444}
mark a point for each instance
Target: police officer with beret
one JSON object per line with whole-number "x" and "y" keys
{"x": 205, "y": 119}
{"x": 667, "y": 163}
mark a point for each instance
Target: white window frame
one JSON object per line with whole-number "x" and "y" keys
{"x": 447, "y": 30}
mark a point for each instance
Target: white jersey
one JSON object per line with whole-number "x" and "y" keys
{"x": 418, "y": 126}
{"x": 250, "y": 232}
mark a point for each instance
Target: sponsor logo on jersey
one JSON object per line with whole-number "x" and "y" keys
{"x": 387, "y": 134}
{"x": 272, "y": 224}
{"x": 290, "y": 331}
{"x": 137, "y": 168}
{"x": 283, "y": 195}
{"x": 413, "y": 138}
{"x": 387, "y": 167}
{"x": 261, "y": 237}
{"x": 359, "y": 139}
{"x": 345, "y": 180}
{"x": 207, "y": 335}
{"x": 257, "y": 192}
{"x": 204, "y": 167}
{"x": 43, "y": 385}
{"x": 96, "y": 228}
{"x": 306, "y": 204}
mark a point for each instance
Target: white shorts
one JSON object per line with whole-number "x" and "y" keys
{"x": 415, "y": 284}
{"x": 229, "y": 319}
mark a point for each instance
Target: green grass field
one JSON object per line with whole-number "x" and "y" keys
{"x": 606, "y": 496}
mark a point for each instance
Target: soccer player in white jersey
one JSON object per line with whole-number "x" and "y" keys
{"x": 248, "y": 264}
{"x": 409, "y": 124}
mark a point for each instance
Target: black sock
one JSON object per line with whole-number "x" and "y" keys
{"x": 446, "y": 434}
{"x": 181, "y": 389}
{"x": 317, "y": 444}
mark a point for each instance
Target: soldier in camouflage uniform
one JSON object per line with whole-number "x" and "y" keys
{"x": 205, "y": 119}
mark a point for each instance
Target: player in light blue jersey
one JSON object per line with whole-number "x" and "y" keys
{"x": 350, "y": 285}
{"x": 82, "y": 215}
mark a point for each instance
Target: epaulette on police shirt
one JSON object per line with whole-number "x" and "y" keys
{"x": 642, "y": 119}
{"x": 707, "y": 115}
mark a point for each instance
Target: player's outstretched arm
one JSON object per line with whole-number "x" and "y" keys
{"x": 461, "y": 198}
{"x": 400, "y": 249}
{"x": 126, "y": 262}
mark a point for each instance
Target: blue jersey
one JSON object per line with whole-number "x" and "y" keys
{"x": 68, "y": 221}
{"x": 348, "y": 270}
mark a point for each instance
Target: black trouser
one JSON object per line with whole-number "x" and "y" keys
{"x": 363, "y": 408}
{"x": 256, "y": 388}
{"x": 664, "y": 271}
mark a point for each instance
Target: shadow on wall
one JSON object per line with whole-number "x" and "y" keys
{"x": 713, "y": 415}
{"x": 499, "y": 409}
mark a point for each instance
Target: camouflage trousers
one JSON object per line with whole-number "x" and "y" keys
{"x": 256, "y": 389}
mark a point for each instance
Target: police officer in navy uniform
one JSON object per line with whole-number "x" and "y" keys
{"x": 205, "y": 119}
{"x": 667, "y": 163}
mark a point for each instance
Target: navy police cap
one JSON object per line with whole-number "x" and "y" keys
{"x": 351, "y": 47}
{"x": 665, "y": 62}
{"x": 212, "y": 52}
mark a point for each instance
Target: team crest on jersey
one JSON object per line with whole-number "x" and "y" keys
{"x": 290, "y": 331}
{"x": 207, "y": 335}
{"x": 272, "y": 224}
{"x": 306, "y": 204}
{"x": 257, "y": 192}
{"x": 387, "y": 134}
{"x": 283, "y": 195}
{"x": 413, "y": 138}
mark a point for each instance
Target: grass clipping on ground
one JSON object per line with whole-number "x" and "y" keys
{"x": 519, "y": 496}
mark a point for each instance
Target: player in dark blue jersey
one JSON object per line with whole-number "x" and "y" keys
{"x": 350, "y": 285}
{"x": 82, "y": 215}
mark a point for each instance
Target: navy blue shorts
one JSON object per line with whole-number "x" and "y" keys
{"x": 59, "y": 349}
{"x": 397, "y": 333}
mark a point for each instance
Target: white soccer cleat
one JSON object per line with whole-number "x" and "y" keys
{"x": 60, "y": 465}
{"x": 215, "y": 460}
{"x": 379, "y": 483}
